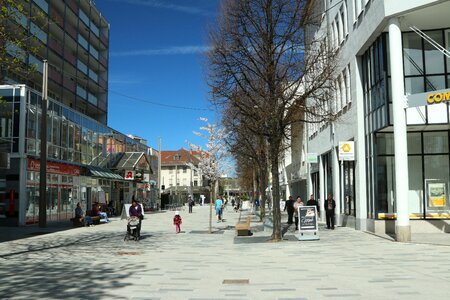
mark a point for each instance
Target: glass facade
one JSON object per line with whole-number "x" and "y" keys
{"x": 425, "y": 69}
{"x": 75, "y": 144}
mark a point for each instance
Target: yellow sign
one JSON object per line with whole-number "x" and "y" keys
{"x": 438, "y": 97}
{"x": 347, "y": 150}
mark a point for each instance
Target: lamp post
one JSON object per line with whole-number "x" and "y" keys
{"x": 43, "y": 154}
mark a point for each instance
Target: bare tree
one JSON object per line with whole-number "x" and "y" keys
{"x": 258, "y": 50}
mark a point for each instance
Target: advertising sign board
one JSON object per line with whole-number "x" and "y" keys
{"x": 308, "y": 223}
{"x": 347, "y": 150}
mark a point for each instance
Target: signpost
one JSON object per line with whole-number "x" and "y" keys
{"x": 308, "y": 227}
{"x": 347, "y": 150}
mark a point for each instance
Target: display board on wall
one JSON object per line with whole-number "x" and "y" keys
{"x": 437, "y": 194}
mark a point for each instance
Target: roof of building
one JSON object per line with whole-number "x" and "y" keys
{"x": 184, "y": 156}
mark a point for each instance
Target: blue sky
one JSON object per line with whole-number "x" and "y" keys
{"x": 157, "y": 55}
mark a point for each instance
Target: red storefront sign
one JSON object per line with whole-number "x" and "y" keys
{"x": 52, "y": 167}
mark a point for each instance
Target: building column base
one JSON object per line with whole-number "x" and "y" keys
{"x": 403, "y": 233}
{"x": 361, "y": 224}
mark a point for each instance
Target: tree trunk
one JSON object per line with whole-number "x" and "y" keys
{"x": 262, "y": 189}
{"x": 274, "y": 154}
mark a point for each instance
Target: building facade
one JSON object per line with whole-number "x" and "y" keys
{"x": 73, "y": 37}
{"x": 181, "y": 175}
{"x": 391, "y": 101}
{"x": 86, "y": 159}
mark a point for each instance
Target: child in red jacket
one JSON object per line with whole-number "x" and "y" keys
{"x": 177, "y": 222}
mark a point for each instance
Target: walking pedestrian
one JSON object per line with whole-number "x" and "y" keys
{"x": 290, "y": 209}
{"x": 219, "y": 206}
{"x": 330, "y": 205}
{"x": 190, "y": 203}
{"x": 297, "y": 204}
{"x": 177, "y": 222}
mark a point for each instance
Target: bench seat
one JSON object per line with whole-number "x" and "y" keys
{"x": 243, "y": 228}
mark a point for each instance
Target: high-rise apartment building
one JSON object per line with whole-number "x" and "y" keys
{"x": 74, "y": 37}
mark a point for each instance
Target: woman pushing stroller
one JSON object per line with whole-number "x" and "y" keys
{"x": 135, "y": 212}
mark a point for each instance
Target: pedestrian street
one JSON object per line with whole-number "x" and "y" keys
{"x": 96, "y": 263}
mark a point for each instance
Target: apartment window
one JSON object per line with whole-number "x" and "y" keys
{"x": 42, "y": 5}
{"x": 36, "y": 31}
{"x": 19, "y": 17}
{"x": 93, "y": 75}
{"x": 184, "y": 169}
{"x": 92, "y": 99}
{"x": 347, "y": 84}
{"x": 340, "y": 29}
{"x": 94, "y": 52}
{"x": 356, "y": 9}
{"x": 195, "y": 172}
{"x": 83, "y": 42}
{"x": 83, "y": 17}
{"x": 344, "y": 17}
{"x": 82, "y": 67}
{"x": 81, "y": 92}
{"x": 32, "y": 60}
{"x": 195, "y": 183}
{"x": 170, "y": 170}
{"x": 95, "y": 29}
{"x": 15, "y": 51}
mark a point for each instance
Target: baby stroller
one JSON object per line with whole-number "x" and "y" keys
{"x": 132, "y": 229}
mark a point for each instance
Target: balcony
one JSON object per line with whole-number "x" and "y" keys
{"x": 55, "y": 75}
{"x": 69, "y": 84}
{"x": 73, "y": 5}
{"x": 70, "y": 57}
{"x": 104, "y": 61}
{"x": 55, "y": 46}
{"x": 56, "y": 18}
{"x": 104, "y": 40}
{"x": 103, "y": 83}
{"x": 71, "y": 31}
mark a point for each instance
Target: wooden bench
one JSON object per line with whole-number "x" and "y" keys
{"x": 243, "y": 228}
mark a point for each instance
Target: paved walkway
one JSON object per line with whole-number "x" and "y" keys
{"x": 95, "y": 263}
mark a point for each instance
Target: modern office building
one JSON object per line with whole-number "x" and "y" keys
{"x": 392, "y": 103}
{"x": 87, "y": 161}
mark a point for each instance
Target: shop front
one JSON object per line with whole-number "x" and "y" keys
{"x": 63, "y": 190}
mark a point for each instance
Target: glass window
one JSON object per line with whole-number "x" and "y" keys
{"x": 42, "y": 4}
{"x": 437, "y": 184}
{"x": 81, "y": 92}
{"x": 414, "y": 85}
{"x": 435, "y": 142}
{"x": 435, "y": 82}
{"x": 414, "y": 143}
{"x": 95, "y": 29}
{"x": 434, "y": 59}
{"x": 37, "y": 32}
{"x": 386, "y": 184}
{"x": 33, "y": 61}
{"x": 385, "y": 143}
{"x": 83, "y": 42}
{"x": 412, "y": 54}
{"x": 93, "y": 51}
{"x": 15, "y": 51}
{"x": 415, "y": 193}
{"x": 92, "y": 99}
{"x": 83, "y": 17}
{"x": 82, "y": 67}
{"x": 19, "y": 17}
{"x": 93, "y": 75}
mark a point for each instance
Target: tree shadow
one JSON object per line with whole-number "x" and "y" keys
{"x": 85, "y": 266}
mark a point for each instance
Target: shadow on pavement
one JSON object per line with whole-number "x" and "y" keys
{"x": 66, "y": 268}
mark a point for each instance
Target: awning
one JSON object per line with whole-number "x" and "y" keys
{"x": 103, "y": 173}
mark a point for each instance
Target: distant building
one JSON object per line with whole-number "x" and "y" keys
{"x": 180, "y": 174}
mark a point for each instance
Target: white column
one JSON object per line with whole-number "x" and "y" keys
{"x": 336, "y": 186}
{"x": 402, "y": 226}
{"x": 360, "y": 148}
{"x": 322, "y": 187}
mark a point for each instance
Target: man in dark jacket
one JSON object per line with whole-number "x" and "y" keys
{"x": 313, "y": 202}
{"x": 290, "y": 209}
{"x": 330, "y": 205}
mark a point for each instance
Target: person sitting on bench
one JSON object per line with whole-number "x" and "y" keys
{"x": 96, "y": 212}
